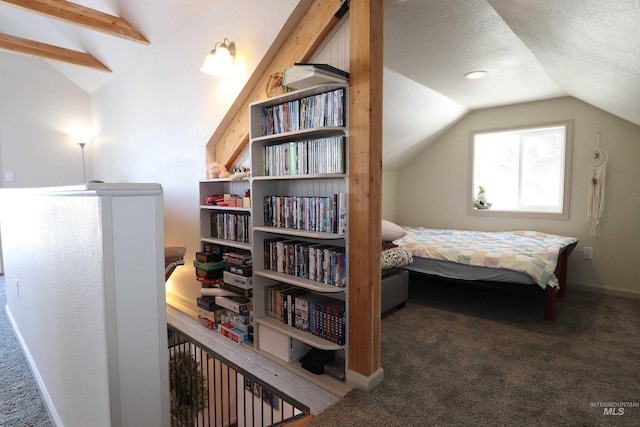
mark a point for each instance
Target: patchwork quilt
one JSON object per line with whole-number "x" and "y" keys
{"x": 530, "y": 252}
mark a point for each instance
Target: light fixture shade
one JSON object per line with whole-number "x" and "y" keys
{"x": 475, "y": 75}
{"x": 219, "y": 61}
{"x": 81, "y": 137}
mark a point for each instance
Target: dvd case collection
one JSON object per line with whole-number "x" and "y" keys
{"x": 314, "y": 261}
{"x": 318, "y": 214}
{"x": 316, "y": 156}
{"x": 324, "y": 109}
{"x": 321, "y": 315}
{"x": 231, "y": 226}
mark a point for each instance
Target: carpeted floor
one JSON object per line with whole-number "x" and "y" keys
{"x": 462, "y": 355}
{"x": 458, "y": 355}
{"x": 20, "y": 401}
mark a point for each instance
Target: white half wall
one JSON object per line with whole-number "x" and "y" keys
{"x": 85, "y": 293}
{"x": 432, "y": 190}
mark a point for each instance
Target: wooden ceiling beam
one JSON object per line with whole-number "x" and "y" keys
{"x": 42, "y": 50}
{"x": 83, "y": 16}
{"x": 232, "y": 135}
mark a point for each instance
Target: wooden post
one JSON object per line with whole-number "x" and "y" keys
{"x": 365, "y": 191}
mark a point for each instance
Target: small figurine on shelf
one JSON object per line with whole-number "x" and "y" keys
{"x": 240, "y": 173}
{"x": 216, "y": 170}
{"x": 481, "y": 201}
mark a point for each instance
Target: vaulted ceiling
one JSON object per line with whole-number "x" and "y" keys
{"x": 532, "y": 50}
{"x": 151, "y": 22}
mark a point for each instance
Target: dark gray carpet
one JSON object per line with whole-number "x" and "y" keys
{"x": 463, "y": 355}
{"x": 20, "y": 401}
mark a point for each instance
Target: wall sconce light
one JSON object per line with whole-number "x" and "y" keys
{"x": 218, "y": 62}
{"x": 82, "y": 138}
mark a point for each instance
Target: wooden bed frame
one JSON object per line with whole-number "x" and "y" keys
{"x": 551, "y": 294}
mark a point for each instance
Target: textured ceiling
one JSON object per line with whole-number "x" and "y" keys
{"x": 532, "y": 49}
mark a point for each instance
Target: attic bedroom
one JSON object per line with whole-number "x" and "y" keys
{"x": 153, "y": 115}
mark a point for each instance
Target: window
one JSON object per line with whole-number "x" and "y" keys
{"x": 522, "y": 170}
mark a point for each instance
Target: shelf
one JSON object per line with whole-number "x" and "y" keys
{"x": 230, "y": 243}
{"x": 300, "y": 93}
{"x": 298, "y": 135}
{"x": 325, "y": 381}
{"x": 305, "y": 337}
{"x": 214, "y": 180}
{"x": 300, "y": 233}
{"x": 298, "y": 177}
{"x": 225, "y": 208}
{"x": 300, "y": 282}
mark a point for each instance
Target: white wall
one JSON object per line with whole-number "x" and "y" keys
{"x": 85, "y": 273}
{"x": 433, "y": 188}
{"x": 155, "y": 119}
{"x": 39, "y": 107}
{"x": 390, "y": 193}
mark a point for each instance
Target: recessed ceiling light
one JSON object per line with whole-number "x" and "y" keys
{"x": 474, "y": 75}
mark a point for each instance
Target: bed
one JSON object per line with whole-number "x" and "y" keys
{"x": 518, "y": 257}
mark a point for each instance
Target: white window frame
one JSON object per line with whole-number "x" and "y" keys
{"x": 566, "y": 196}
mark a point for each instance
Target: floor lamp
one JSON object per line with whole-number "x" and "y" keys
{"x": 82, "y": 139}
{"x": 84, "y": 171}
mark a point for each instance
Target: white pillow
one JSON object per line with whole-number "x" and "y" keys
{"x": 391, "y": 231}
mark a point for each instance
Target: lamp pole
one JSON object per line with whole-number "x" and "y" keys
{"x": 84, "y": 173}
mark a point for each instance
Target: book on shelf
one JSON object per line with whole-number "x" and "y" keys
{"x": 236, "y": 303}
{"x": 318, "y": 262}
{"x": 303, "y": 75}
{"x": 217, "y": 292}
{"x": 323, "y": 214}
{"x": 208, "y": 265}
{"x": 328, "y": 319}
{"x": 324, "y": 67}
{"x": 208, "y": 283}
{"x": 313, "y": 111}
{"x": 206, "y": 303}
{"x": 228, "y": 330}
{"x": 297, "y": 307}
{"x": 316, "y": 156}
{"x": 238, "y": 258}
{"x": 244, "y": 282}
{"x": 230, "y": 226}
{"x": 239, "y": 269}
{"x": 215, "y": 316}
{"x": 236, "y": 290}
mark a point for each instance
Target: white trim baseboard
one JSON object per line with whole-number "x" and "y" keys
{"x": 365, "y": 383}
{"x": 617, "y": 292}
{"x": 48, "y": 403}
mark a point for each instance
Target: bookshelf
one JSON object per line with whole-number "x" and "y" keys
{"x": 299, "y": 190}
{"x": 208, "y": 232}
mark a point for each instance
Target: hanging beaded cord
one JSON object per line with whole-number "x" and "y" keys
{"x": 595, "y": 194}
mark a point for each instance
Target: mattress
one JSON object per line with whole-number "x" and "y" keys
{"x": 495, "y": 255}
